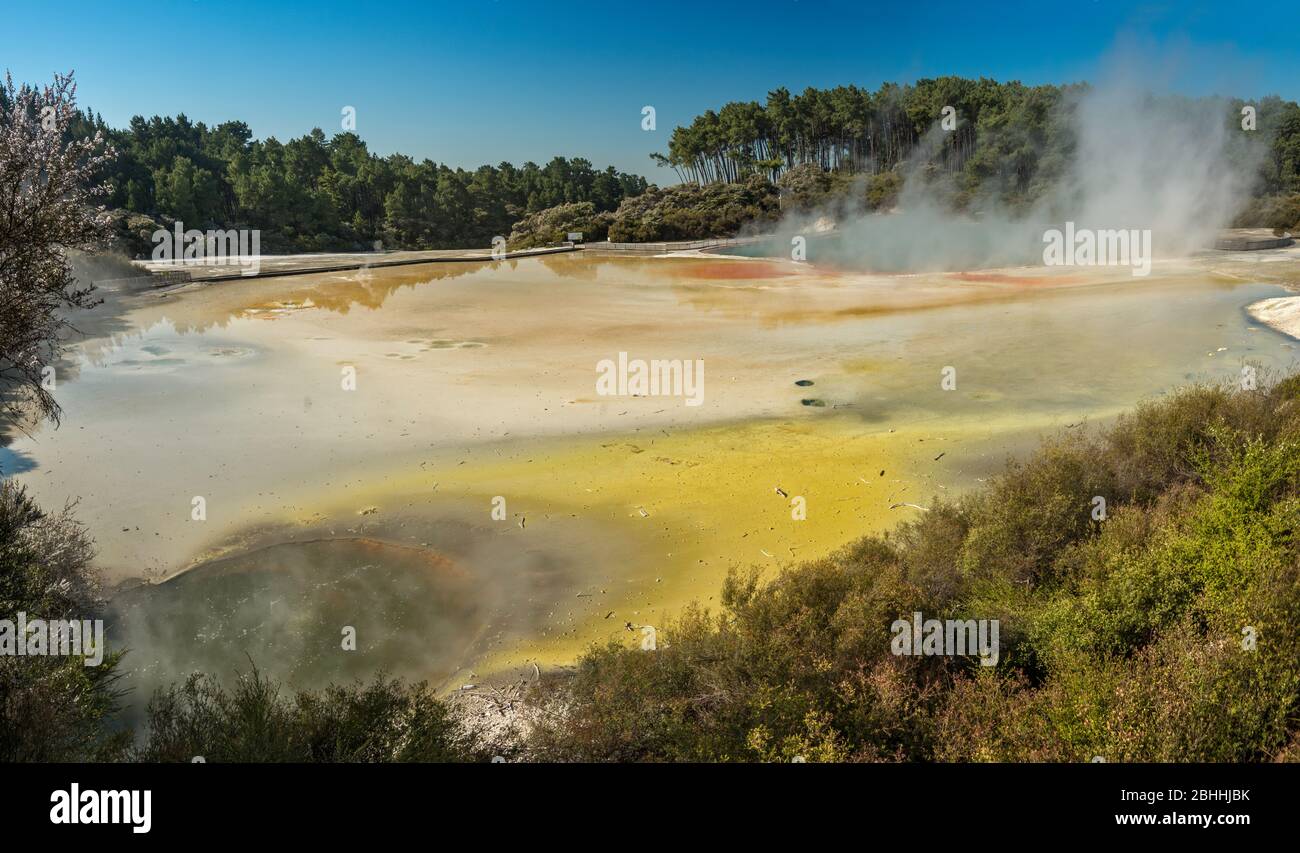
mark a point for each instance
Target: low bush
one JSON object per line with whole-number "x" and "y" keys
{"x": 693, "y": 212}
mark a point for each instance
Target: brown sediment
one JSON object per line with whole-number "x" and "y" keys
{"x": 1006, "y": 278}
{"x": 251, "y": 542}
{"x": 430, "y": 559}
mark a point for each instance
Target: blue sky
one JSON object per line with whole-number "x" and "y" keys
{"x": 491, "y": 80}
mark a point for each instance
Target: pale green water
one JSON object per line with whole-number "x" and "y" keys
{"x": 293, "y": 610}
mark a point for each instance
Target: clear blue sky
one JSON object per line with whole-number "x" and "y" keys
{"x": 483, "y": 81}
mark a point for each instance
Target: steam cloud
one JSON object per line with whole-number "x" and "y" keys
{"x": 1177, "y": 166}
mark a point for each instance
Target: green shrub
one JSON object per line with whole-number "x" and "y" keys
{"x": 805, "y": 187}
{"x": 1278, "y": 212}
{"x": 692, "y": 211}
{"x": 52, "y": 707}
{"x": 380, "y": 721}
{"x": 554, "y": 224}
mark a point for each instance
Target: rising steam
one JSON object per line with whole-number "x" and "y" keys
{"x": 1178, "y": 166}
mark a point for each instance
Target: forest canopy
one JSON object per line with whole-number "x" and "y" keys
{"x": 319, "y": 193}
{"x": 1007, "y": 141}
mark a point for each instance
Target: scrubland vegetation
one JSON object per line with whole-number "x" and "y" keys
{"x": 688, "y": 211}
{"x": 257, "y": 721}
{"x": 554, "y": 224}
{"x": 1120, "y": 638}
{"x": 52, "y": 707}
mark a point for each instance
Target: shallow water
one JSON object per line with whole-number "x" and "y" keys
{"x": 292, "y": 609}
{"x": 477, "y": 381}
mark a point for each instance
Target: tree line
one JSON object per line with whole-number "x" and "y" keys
{"x": 1006, "y": 131}
{"x": 317, "y": 193}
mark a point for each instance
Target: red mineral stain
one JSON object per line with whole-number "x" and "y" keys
{"x": 735, "y": 270}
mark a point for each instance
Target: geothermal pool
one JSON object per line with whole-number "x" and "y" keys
{"x": 471, "y": 505}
